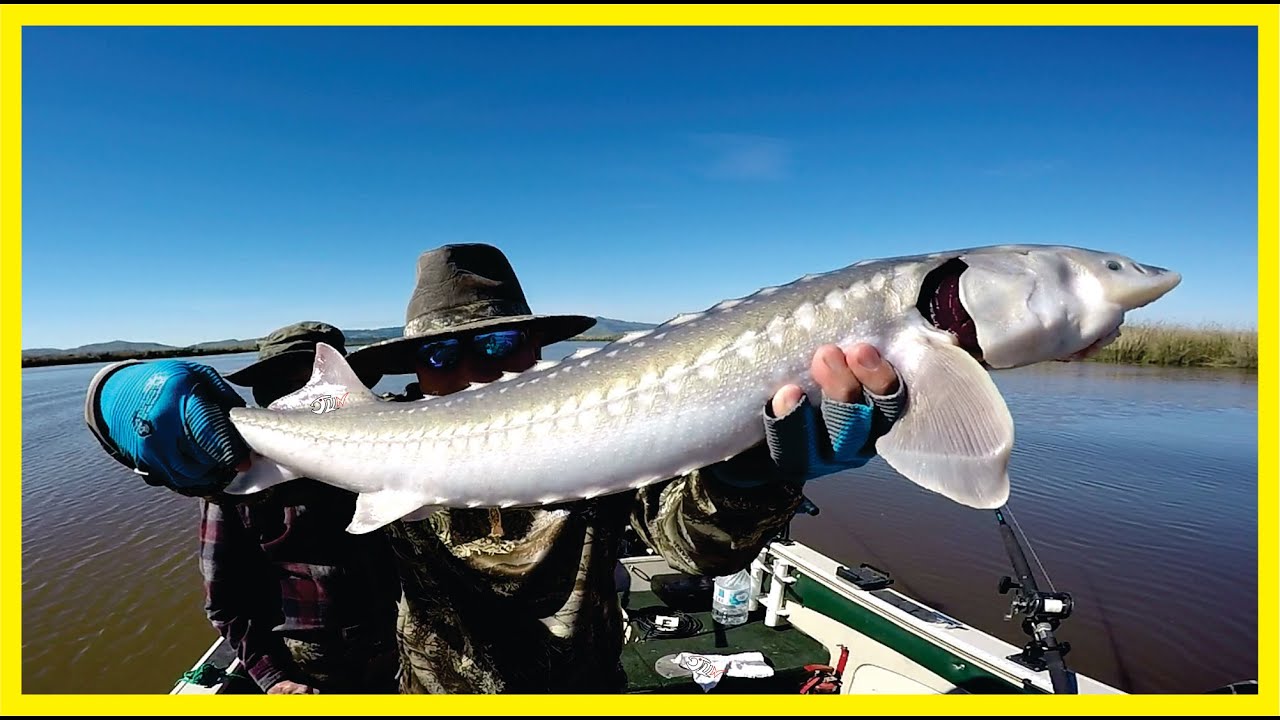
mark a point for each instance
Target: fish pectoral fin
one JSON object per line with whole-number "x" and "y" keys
{"x": 262, "y": 474}
{"x": 956, "y": 434}
{"x": 333, "y": 386}
{"x": 375, "y": 509}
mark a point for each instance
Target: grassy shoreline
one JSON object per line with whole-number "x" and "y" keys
{"x": 1166, "y": 345}
{"x": 1146, "y": 344}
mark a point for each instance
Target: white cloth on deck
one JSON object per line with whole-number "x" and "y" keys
{"x": 708, "y": 669}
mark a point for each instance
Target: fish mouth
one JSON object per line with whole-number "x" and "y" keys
{"x": 939, "y": 303}
{"x": 1094, "y": 348}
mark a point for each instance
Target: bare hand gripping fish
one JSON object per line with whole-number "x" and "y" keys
{"x": 689, "y": 393}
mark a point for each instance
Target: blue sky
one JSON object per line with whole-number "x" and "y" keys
{"x": 191, "y": 184}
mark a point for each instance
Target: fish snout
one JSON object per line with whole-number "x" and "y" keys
{"x": 1150, "y": 284}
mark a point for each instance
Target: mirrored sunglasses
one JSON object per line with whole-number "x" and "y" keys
{"x": 491, "y": 347}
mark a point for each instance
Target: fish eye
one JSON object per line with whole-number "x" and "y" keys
{"x": 1113, "y": 265}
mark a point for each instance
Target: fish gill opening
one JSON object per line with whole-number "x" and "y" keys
{"x": 939, "y": 303}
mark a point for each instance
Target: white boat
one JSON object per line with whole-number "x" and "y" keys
{"x": 820, "y": 626}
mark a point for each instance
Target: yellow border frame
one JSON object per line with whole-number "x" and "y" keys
{"x": 14, "y": 18}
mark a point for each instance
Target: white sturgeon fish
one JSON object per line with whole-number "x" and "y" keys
{"x": 690, "y": 392}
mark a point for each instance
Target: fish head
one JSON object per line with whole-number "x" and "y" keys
{"x": 1027, "y": 304}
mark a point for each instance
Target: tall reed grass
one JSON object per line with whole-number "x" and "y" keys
{"x": 1183, "y": 346}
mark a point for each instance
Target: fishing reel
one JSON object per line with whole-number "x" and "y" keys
{"x": 1041, "y": 613}
{"x": 1036, "y": 606}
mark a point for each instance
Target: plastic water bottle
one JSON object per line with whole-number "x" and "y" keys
{"x": 729, "y": 598}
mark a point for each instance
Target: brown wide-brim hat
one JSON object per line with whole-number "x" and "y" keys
{"x": 461, "y": 290}
{"x": 290, "y": 346}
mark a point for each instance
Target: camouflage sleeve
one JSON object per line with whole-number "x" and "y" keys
{"x": 702, "y": 523}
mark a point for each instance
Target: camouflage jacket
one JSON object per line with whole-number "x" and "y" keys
{"x": 524, "y": 600}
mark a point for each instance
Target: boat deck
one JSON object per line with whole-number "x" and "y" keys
{"x": 656, "y": 589}
{"x": 785, "y": 649}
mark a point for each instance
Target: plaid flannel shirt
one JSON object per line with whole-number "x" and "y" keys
{"x": 284, "y": 565}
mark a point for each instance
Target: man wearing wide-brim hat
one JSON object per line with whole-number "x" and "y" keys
{"x": 524, "y": 600}
{"x": 464, "y": 292}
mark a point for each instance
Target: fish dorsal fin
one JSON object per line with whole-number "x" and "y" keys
{"x": 333, "y": 386}
{"x": 956, "y": 434}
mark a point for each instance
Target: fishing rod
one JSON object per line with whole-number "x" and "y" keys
{"x": 1041, "y": 613}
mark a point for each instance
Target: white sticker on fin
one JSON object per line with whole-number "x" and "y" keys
{"x": 333, "y": 386}
{"x": 956, "y": 434}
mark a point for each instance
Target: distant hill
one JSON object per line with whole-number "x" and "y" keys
{"x": 119, "y": 345}
{"x": 231, "y": 345}
{"x": 357, "y": 338}
{"x": 610, "y": 327}
{"x": 113, "y": 346}
{"x": 604, "y": 329}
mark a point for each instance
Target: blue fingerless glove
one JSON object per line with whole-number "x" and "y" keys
{"x": 168, "y": 419}
{"x": 811, "y": 442}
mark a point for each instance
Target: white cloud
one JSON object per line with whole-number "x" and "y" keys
{"x": 744, "y": 157}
